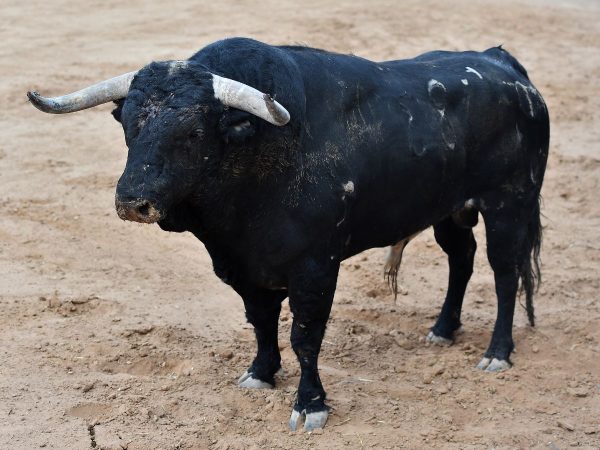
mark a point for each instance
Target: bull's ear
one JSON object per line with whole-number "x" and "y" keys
{"x": 237, "y": 126}
{"x": 117, "y": 111}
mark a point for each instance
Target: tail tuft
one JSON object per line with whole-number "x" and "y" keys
{"x": 529, "y": 271}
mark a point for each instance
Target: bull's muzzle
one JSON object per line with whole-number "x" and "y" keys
{"x": 138, "y": 210}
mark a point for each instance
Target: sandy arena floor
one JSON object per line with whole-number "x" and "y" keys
{"x": 119, "y": 335}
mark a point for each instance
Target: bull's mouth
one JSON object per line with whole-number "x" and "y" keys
{"x": 138, "y": 210}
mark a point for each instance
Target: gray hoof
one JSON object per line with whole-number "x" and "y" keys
{"x": 493, "y": 365}
{"x": 483, "y": 363}
{"x": 293, "y": 422}
{"x": 437, "y": 340}
{"x": 315, "y": 420}
{"x": 249, "y": 382}
{"x": 312, "y": 420}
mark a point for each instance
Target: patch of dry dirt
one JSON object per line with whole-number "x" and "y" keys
{"x": 118, "y": 335}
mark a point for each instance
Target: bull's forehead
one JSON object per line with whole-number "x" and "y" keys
{"x": 169, "y": 110}
{"x": 167, "y": 75}
{"x": 150, "y": 109}
{"x": 171, "y": 92}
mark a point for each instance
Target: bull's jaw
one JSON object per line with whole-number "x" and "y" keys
{"x": 139, "y": 210}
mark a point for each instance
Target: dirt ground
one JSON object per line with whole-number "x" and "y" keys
{"x": 118, "y": 335}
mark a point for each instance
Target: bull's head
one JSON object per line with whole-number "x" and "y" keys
{"x": 167, "y": 112}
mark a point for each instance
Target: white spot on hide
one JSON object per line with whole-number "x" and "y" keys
{"x": 527, "y": 90}
{"x": 471, "y": 70}
{"x": 518, "y": 134}
{"x": 348, "y": 187}
{"x": 434, "y": 83}
{"x": 465, "y": 81}
{"x": 175, "y": 66}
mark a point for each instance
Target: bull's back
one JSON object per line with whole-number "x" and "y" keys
{"x": 422, "y": 136}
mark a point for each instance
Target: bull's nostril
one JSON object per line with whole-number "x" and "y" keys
{"x": 137, "y": 210}
{"x": 144, "y": 209}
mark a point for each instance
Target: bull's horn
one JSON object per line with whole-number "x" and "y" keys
{"x": 94, "y": 95}
{"x": 241, "y": 96}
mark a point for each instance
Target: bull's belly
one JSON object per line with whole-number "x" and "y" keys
{"x": 392, "y": 223}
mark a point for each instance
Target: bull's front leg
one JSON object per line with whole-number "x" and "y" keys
{"x": 262, "y": 311}
{"x": 311, "y": 290}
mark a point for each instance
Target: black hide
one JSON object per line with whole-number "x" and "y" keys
{"x": 374, "y": 152}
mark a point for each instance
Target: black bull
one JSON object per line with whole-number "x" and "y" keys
{"x": 373, "y": 154}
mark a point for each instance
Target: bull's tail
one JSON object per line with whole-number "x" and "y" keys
{"x": 529, "y": 270}
{"x": 538, "y": 143}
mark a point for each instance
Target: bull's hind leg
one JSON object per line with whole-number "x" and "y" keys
{"x": 262, "y": 311}
{"x": 508, "y": 249}
{"x": 456, "y": 238}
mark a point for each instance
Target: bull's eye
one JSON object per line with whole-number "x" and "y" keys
{"x": 236, "y": 128}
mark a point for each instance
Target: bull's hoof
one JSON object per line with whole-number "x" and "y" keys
{"x": 433, "y": 338}
{"x": 493, "y": 365}
{"x": 248, "y": 381}
{"x": 312, "y": 420}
